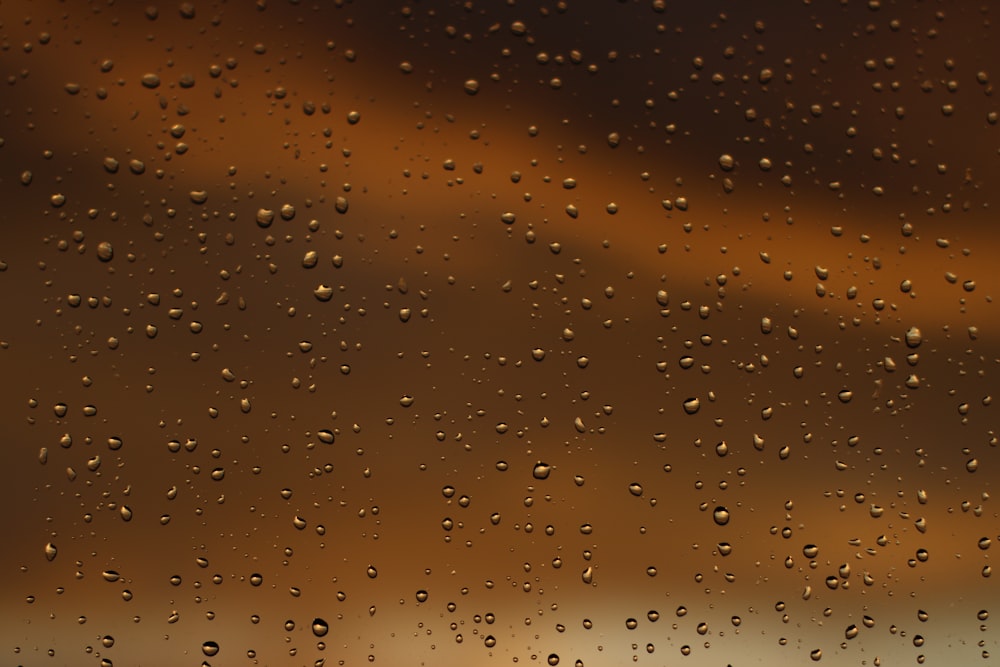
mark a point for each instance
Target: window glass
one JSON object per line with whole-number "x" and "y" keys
{"x": 508, "y": 333}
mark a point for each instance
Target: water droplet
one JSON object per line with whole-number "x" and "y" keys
{"x": 721, "y": 516}
{"x": 105, "y": 252}
{"x": 692, "y": 405}
{"x": 50, "y": 552}
{"x": 323, "y": 293}
{"x": 320, "y": 627}
{"x": 265, "y": 217}
{"x": 210, "y": 648}
{"x": 541, "y": 471}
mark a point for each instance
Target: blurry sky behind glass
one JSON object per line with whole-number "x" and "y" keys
{"x": 493, "y": 333}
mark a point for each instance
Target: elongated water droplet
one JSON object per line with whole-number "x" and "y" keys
{"x": 541, "y": 471}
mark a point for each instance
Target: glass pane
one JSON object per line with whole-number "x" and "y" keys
{"x": 427, "y": 333}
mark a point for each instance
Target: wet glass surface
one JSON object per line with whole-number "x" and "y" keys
{"x": 492, "y": 333}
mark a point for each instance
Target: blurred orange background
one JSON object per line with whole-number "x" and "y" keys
{"x": 307, "y": 291}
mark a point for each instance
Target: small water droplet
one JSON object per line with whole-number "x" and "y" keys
{"x": 265, "y": 217}
{"x": 105, "y": 252}
{"x": 323, "y": 293}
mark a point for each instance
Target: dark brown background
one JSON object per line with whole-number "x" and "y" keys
{"x": 427, "y": 174}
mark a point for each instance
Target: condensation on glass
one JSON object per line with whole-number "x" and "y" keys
{"x": 560, "y": 333}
